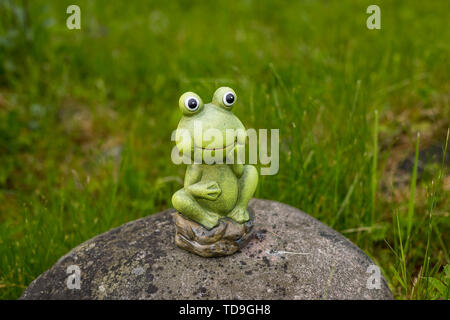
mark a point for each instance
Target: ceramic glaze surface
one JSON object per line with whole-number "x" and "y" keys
{"x": 213, "y": 189}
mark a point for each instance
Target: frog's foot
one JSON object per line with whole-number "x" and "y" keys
{"x": 209, "y": 220}
{"x": 188, "y": 206}
{"x": 239, "y": 214}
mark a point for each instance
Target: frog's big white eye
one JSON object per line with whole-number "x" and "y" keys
{"x": 229, "y": 99}
{"x": 191, "y": 103}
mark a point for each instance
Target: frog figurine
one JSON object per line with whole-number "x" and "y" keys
{"x": 213, "y": 218}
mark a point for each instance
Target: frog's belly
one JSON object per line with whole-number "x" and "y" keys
{"x": 228, "y": 183}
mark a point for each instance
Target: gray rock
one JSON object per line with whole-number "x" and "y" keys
{"x": 292, "y": 256}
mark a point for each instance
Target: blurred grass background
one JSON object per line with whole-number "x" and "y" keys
{"x": 86, "y": 117}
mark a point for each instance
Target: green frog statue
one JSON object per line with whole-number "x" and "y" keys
{"x": 213, "y": 217}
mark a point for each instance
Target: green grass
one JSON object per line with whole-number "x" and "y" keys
{"x": 86, "y": 118}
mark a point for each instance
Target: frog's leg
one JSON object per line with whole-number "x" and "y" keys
{"x": 248, "y": 181}
{"x": 188, "y": 206}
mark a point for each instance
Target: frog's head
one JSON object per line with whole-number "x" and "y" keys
{"x": 210, "y": 128}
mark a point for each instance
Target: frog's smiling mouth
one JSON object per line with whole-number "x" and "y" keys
{"x": 216, "y": 149}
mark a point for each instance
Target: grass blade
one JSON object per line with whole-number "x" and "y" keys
{"x": 412, "y": 194}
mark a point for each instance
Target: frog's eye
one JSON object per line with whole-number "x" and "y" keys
{"x": 225, "y": 97}
{"x": 190, "y": 103}
{"x": 229, "y": 98}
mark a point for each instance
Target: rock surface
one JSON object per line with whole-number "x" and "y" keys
{"x": 291, "y": 256}
{"x": 223, "y": 240}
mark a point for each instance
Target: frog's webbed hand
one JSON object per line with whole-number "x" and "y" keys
{"x": 208, "y": 190}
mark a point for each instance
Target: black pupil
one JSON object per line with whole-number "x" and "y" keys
{"x": 229, "y": 98}
{"x": 192, "y": 103}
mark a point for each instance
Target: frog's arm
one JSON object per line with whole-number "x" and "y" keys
{"x": 238, "y": 166}
{"x": 209, "y": 190}
{"x": 193, "y": 175}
